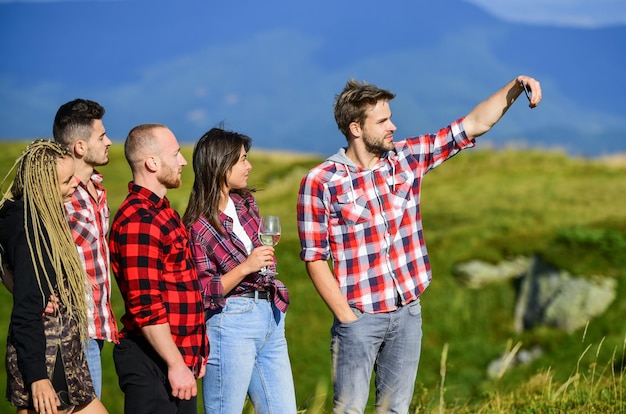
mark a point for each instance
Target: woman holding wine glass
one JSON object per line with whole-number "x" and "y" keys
{"x": 245, "y": 305}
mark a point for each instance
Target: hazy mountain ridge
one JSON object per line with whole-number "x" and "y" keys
{"x": 275, "y": 77}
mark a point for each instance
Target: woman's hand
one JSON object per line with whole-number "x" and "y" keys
{"x": 257, "y": 259}
{"x": 260, "y": 257}
{"x": 52, "y": 305}
{"x": 45, "y": 398}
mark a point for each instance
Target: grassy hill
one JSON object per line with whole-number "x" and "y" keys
{"x": 482, "y": 204}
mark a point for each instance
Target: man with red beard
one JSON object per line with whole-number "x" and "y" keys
{"x": 163, "y": 344}
{"x": 360, "y": 208}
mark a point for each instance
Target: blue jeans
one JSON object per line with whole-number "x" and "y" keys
{"x": 93, "y": 348}
{"x": 388, "y": 343}
{"x": 248, "y": 356}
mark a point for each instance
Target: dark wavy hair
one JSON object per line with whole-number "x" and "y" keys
{"x": 214, "y": 155}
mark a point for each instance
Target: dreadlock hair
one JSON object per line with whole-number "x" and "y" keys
{"x": 36, "y": 182}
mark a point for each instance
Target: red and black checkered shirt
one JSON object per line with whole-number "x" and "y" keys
{"x": 152, "y": 263}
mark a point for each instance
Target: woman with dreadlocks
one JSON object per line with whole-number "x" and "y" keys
{"x": 46, "y": 369}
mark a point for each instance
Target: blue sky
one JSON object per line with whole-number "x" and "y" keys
{"x": 271, "y": 69}
{"x": 576, "y": 13}
{"x": 565, "y": 13}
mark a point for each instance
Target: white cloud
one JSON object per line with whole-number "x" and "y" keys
{"x": 231, "y": 99}
{"x": 572, "y": 13}
{"x": 198, "y": 116}
{"x": 201, "y": 92}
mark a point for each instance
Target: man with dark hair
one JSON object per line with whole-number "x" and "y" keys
{"x": 78, "y": 125}
{"x": 361, "y": 208}
{"x": 163, "y": 345}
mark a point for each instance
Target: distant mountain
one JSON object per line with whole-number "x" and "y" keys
{"x": 272, "y": 69}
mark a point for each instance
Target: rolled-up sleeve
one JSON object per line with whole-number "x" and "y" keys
{"x": 208, "y": 273}
{"x": 313, "y": 216}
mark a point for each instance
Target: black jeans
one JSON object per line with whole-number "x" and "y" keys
{"x": 143, "y": 379}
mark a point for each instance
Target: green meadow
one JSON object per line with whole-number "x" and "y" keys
{"x": 482, "y": 204}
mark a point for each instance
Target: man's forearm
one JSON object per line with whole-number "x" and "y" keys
{"x": 326, "y": 286}
{"x": 487, "y": 113}
{"x": 160, "y": 337}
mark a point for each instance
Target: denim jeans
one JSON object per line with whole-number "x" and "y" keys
{"x": 388, "y": 343}
{"x": 248, "y": 356}
{"x": 93, "y": 348}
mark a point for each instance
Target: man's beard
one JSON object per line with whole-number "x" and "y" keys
{"x": 171, "y": 179}
{"x": 377, "y": 147}
{"x": 96, "y": 162}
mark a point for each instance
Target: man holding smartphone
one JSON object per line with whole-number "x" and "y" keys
{"x": 361, "y": 209}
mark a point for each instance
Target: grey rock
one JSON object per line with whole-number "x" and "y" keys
{"x": 545, "y": 295}
{"x": 551, "y": 297}
{"x": 499, "y": 366}
{"x": 475, "y": 274}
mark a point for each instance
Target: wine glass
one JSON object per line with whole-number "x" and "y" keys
{"x": 269, "y": 235}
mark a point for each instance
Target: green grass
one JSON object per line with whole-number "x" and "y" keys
{"x": 483, "y": 204}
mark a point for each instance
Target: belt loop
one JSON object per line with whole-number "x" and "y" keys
{"x": 256, "y": 295}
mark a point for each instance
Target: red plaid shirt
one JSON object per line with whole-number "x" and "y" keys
{"x": 369, "y": 221}
{"x": 89, "y": 222}
{"x": 152, "y": 264}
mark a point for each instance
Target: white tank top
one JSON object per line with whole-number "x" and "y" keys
{"x": 237, "y": 227}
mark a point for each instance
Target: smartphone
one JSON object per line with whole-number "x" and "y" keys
{"x": 526, "y": 90}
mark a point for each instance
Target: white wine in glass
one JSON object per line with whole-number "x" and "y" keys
{"x": 269, "y": 235}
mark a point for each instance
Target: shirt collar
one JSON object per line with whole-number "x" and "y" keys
{"x": 96, "y": 178}
{"x": 152, "y": 198}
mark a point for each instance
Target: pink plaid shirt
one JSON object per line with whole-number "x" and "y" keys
{"x": 368, "y": 221}
{"x": 216, "y": 254}
{"x": 89, "y": 223}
